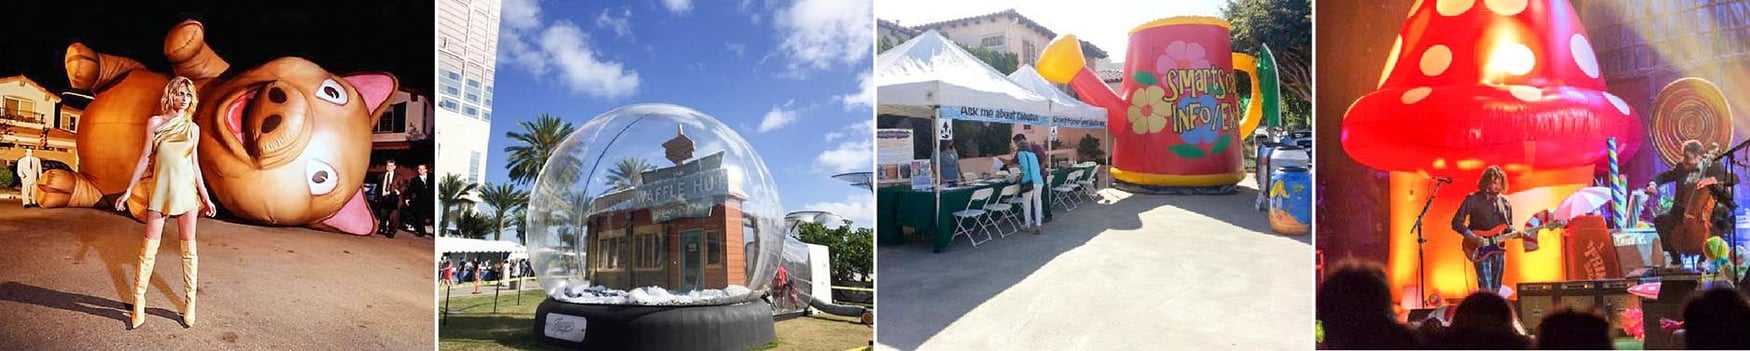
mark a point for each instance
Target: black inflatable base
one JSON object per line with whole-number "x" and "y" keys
{"x": 1174, "y": 190}
{"x": 738, "y": 326}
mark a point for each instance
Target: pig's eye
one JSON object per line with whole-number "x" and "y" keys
{"x": 332, "y": 91}
{"x": 320, "y": 177}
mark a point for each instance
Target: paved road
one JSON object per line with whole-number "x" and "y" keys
{"x": 66, "y": 273}
{"x": 1140, "y": 272}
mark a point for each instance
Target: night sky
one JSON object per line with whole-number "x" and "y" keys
{"x": 388, "y": 36}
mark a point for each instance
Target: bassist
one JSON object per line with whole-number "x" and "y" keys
{"x": 1483, "y": 210}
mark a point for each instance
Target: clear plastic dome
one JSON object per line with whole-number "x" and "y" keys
{"x": 654, "y": 204}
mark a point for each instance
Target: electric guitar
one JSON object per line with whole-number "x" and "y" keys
{"x": 1489, "y": 242}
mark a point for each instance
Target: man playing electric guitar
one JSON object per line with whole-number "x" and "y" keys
{"x": 1486, "y": 212}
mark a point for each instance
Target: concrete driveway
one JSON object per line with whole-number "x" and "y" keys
{"x": 65, "y": 275}
{"x": 1135, "y": 272}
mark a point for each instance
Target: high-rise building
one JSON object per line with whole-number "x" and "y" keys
{"x": 467, "y": 45}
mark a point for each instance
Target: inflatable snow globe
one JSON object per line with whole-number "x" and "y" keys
{"x": 655, "y": 226}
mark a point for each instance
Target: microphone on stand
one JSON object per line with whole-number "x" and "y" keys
{"x": 1443, "y": 180}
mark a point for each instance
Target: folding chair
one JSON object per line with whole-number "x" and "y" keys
{"x": 999, "y": 208}
{"x": 1087, "y": 183}
{"x": 973, "y": 213}
{"x": 1064, "y": 193}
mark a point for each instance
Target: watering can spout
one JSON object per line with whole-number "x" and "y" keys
{"x": 1063, "y": 63}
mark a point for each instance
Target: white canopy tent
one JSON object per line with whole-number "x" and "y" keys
{"x": 930, "y": 74}
{"x": 465, "y": 245}
{"x": 931, "y": 77}
{"x": 1066, "y": 111}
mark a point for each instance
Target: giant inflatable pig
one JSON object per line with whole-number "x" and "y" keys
{"x": 285, "y": 143}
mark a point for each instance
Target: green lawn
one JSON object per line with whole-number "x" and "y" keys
{"x": 475, "y": 327}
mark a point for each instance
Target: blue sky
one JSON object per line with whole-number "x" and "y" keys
{"x": 790, "y": 75}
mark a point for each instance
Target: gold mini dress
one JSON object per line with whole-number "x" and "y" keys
{"x": 174, "y": 190}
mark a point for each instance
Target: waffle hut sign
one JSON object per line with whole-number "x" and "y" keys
{"x": 687, "y": 190}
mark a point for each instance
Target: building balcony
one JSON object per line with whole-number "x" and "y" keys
{"x": 21, "y": 116}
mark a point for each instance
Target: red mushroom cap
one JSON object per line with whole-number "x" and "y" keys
{"x": 1473, "y": 83}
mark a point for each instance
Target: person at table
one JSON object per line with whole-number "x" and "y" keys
{"x": 1045, "y": 168}
{"x": 950, "y": 164}
{"x": 1031, "y": 204}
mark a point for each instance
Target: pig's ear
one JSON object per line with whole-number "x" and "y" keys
{"x": 376, "y": 87}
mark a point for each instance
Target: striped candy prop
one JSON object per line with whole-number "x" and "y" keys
{"x": 1618, "y": 188}
{"x": 1537, "y": 223}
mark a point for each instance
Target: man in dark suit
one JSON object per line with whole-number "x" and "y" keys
{"x": 419, "y": 199}
{"x": 390, "y": 187}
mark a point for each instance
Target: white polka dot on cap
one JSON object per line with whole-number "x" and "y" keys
{"x": 1621, "y": 106}
{"x": 1435, "y": 60}
{"x": 1451, "y": 8}
{"x": 1581, "y": 49}
{"x": 1525, "y": 93}
{"x": 1391, "y": 60}
{"x": 1505, "y": 7}
{"x": 1415, "y": 95}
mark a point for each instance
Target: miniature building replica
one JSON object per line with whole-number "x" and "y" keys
{"x": 640, "y": 253}
{"x": 681, "y": 228}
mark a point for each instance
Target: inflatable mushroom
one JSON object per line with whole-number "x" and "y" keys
{"x": 1471, "y": 84}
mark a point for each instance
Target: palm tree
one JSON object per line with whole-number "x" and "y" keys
{"x": 519, "y": 219}
{"x": 628, "y": 173}
{"x": 504, "y": 198}
{"x": 473, "y": 225}
{"x": 452, "y": 194}
{"x": 535, "y": 144}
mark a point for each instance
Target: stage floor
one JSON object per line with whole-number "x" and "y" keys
{"x": 65, "y": 275}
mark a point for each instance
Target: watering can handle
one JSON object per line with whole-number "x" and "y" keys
{"x": 1255, "y": 107}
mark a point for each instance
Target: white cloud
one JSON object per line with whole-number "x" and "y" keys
{"x": 679, "y": 7}
{"x": 520, "y": 14}
{"x": 862, "y": 98}
{"x": 859, "y": 207}
{"x": 818, "y": 34}
{"x": 856, "y": 153}
{"x": 738, "y": 48}
{"x": 563, "y": 48}
{"x": 580, "y": 68}
{"x": 748, "y": 10}
{"x": 517, "y": 52}
{"x": 778, "y": 117}
{"x": 866, "y": 128}
{"x": 622, "y": 25}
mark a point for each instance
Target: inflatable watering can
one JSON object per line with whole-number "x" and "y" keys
{"x": 1177, "y": 120}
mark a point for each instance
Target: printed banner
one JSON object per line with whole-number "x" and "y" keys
{"x": 990, "y": 115}
{"x": 893, "y": 151}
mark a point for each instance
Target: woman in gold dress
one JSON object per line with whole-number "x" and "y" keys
{"x": 177, "y": 190}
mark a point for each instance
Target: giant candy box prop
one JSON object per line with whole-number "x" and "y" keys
{"x": 1179, "y": 122}
{"x": 285, "y": 143}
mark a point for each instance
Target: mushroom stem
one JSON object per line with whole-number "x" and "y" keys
{"x": 1448, "y": 271}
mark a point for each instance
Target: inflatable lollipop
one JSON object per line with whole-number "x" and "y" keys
{"x": 1689, "y": 109}
{"x": 1472, "y": 84}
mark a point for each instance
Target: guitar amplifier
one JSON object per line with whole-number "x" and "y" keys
{"x": 1590, "y": 250}
{"x": 1614, "y": 298}
{"x": 1673, "y": 290}
{"x": 1610, "y": 297}
{"x": 1535, "y": 301}
{"x": 1638, "y": 248}
{"x": 1577, "y": 295}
